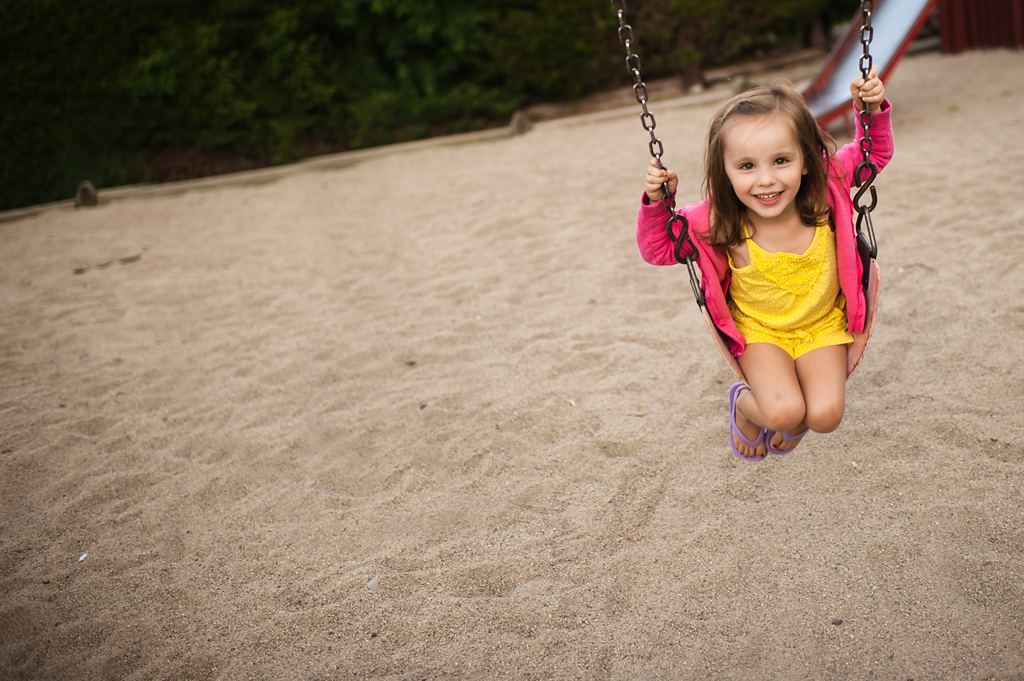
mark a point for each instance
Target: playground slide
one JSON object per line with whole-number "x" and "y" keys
{"x": 895, "y": 24}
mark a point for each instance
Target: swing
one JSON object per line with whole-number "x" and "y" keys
{"x": 867, "y": 247}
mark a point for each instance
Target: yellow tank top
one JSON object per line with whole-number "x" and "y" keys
{"x": 791, "y": 300}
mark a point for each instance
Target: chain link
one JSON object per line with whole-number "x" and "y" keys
{"x": 867, "y": 166}
{"x": 657, "y": 150}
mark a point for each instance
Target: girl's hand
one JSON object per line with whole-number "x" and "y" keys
{"x": 871, "y": 91}
{"x": 657, "y": 177}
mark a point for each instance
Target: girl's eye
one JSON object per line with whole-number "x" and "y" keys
{"x": 782, "y": 160}
{"x": 746, "y": 166}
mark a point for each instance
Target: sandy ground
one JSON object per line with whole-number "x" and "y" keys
{"x": 431, "y": 416}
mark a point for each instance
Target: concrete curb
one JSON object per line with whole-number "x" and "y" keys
{"x": 265, "y": 175}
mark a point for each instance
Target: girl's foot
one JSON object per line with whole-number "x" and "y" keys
{"x": 784, "y": 441}
{"x": 747, "y": 437}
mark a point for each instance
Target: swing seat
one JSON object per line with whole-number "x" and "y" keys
{"x": 854, "y": 351}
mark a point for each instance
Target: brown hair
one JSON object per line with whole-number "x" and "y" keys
{"x": 816, "y": 146}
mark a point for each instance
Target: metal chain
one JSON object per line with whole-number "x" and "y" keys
{"x": 867, "y": 32}
{"x": 657, "y": 150}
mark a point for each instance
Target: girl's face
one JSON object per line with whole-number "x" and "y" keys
{"x": 765, "y": 167}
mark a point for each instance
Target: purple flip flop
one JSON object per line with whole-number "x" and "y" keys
{"x": 786, "y": 437}
{"x": 734, "y": 392}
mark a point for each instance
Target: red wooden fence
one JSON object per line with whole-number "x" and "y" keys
{"x": 970, "y": 24}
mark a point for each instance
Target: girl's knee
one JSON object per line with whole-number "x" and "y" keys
{"x": 825, "y": 417}
{"x": 782, "y": 413}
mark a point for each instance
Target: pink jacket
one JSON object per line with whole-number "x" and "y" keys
{"x": 657, "y": 249}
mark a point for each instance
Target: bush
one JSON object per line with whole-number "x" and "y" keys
{"x": 124, "y": 91}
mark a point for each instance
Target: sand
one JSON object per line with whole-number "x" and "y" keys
{"x": 431, "y": 416}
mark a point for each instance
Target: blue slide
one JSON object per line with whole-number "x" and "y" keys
{"x": 895, "y": 24}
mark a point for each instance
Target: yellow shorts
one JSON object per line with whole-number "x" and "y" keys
{"x": 832, "y": 329}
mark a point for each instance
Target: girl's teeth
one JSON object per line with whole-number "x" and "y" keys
{"x": 767, "y": 197}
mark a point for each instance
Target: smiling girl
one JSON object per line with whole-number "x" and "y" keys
{"x": 776, "y": 227}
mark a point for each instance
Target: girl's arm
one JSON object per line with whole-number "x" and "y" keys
{"x": 655, "y": 245}
{"x": 651, "y": 237}
{"x": 871, "y": 93}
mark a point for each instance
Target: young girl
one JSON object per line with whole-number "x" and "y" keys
{"x": 776, "y": 244}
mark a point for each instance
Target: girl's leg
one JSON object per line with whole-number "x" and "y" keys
{"x": 775, "y": 399}
{"x": 822, "y": 375}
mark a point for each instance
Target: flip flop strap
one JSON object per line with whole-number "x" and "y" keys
{"x": 743, "y": 438}
{"x": 789, "y": 437}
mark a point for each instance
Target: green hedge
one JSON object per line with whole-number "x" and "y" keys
{"x": 126, "y": 91}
